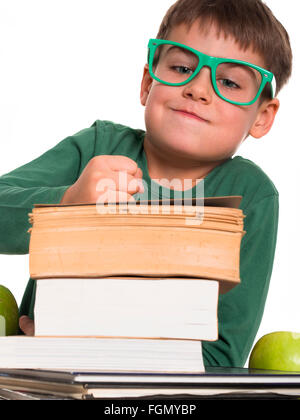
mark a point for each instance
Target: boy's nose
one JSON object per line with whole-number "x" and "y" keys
{"x": 200, "y": 88}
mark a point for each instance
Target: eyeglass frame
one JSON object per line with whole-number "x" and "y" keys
{"x": 212, "y": 63}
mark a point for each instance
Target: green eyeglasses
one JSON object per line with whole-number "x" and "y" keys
{"x": 235, "y": 81}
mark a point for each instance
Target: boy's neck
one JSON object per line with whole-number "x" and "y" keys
{"x": 162, "y": 166}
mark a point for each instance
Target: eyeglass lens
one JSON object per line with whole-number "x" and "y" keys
{"x": 235, "y": 82}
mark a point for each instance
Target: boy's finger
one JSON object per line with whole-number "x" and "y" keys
{"x": 139, "y": 173}
{"x": 135, "y": 186}
{"x": 26, "y": 325}
{"x": 120, "y": 181}
{"x": 129, "y": 183}
{"x": 122, "y": 163}
{"x": 110, "y": 196}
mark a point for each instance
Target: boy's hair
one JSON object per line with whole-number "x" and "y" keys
{"x": 250, "y": 22}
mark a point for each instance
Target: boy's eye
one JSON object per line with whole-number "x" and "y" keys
{"x": 228, "y": 84}
{"x": 182, "y": 69}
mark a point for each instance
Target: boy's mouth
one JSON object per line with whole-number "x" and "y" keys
{"x": 189, "y": 114}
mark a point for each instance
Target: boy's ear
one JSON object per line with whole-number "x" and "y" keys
{"x": 146, "y": 85}
{"x": 265, "y": 118}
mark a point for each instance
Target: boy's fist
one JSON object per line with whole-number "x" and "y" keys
{"x": 106, "y": 179}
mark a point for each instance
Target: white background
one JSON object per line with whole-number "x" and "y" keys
{"x": 66, "y": 63}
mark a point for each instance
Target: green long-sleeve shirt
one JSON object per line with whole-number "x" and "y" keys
{"x": 44, "y": 181}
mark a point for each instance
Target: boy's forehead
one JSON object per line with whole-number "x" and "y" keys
{"x": 211, "y": 40}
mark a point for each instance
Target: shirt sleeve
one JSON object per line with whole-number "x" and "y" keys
{"x": 42, "y": 181}
{"x": 241, "y": 310}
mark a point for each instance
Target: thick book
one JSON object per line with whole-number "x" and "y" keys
{"x": 101, "y": 354}
{"x": 157, "y": 240}
{"x": 128, "y": 307}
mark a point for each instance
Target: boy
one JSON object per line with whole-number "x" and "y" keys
{"x": 199, "y": 109}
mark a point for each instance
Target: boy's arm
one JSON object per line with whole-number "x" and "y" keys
{"x": 241, "y": 310}
{"x": 70, "y": 173}
{"x": 42, "y": 181}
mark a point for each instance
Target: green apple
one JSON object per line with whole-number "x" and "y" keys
{"x": 9, "y": 313}
{"x": 277, "y": 351}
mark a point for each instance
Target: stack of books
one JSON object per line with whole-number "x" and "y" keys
{"x": 128, "y": 288}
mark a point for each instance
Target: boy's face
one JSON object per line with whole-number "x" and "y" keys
{"x": 220, "y": 127}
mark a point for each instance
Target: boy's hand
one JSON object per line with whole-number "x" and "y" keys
{"x": 106, "y": 179}
{"x": 26, "y": 325}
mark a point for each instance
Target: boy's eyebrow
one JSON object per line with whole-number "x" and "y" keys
{"x": 175, "y": 47}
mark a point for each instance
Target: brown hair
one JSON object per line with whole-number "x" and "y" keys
{"x": 250, "y": 22}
